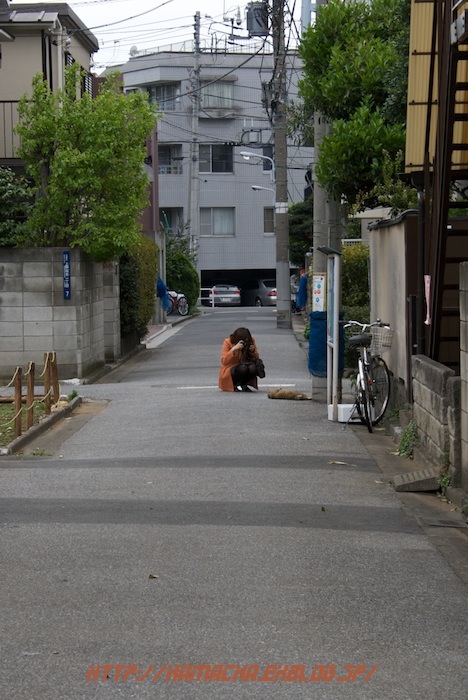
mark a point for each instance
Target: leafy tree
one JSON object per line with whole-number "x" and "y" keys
{"x": 85, "y": 157}
{"x": 355, "y": 67}
{"x": 15, "y": 204}
{"x": 391, "y": 191}
{"x": 301, "y": 230}
{"x": 351, "y": 157}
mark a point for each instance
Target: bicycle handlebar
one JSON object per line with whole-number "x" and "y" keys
{"x": 364, "y": 326}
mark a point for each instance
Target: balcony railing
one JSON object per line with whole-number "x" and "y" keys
{"x": 172, "y": 169}
{"x": 9, "y": 141}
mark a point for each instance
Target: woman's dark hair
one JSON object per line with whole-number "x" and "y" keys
{"x": 240, "y": 334}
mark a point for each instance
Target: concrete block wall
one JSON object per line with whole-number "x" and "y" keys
{"x": 35, "y": 318}
{"x": 436, "y": 412}
{"x": 112, "y": 345}
{"x": 464, "y": 375}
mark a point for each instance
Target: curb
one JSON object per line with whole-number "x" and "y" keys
{"x": 36, "y": 430}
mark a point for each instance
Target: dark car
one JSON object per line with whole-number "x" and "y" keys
{"x": 261, "y": 292}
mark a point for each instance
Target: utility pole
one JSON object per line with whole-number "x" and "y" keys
{"x": 194, "y": 185}
{"x": 283, "y": 289}
{"x": 327, "y": 231}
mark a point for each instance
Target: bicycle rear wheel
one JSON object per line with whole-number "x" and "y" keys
{"x": 363, "y": 403}
{"x": 183, "y": 307}
{"x": 380, "y": 388}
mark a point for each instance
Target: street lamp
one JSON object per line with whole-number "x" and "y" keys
{"x": 250, "y": 154}
{"x": 269, "y": 189}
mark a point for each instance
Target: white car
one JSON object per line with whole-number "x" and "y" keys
{"x": 222, "y": 295}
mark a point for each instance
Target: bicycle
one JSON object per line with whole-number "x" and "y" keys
{"x": 372, "y": 388}
{"x": 178, "y": 302}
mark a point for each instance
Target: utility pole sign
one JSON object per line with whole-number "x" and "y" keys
{"x": 66, "y": 275}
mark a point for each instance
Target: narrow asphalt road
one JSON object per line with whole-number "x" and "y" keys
{"x": 189, "y": 543}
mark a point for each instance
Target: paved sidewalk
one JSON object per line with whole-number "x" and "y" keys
{"x": 210, "y": 545}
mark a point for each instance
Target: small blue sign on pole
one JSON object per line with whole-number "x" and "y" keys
{"x": 66, "y": 275}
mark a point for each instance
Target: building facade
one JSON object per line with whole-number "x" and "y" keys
{"x": 215, "y": 109}
{"x": 37, "y": 38}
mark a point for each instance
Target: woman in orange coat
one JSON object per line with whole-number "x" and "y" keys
{"x": 236, "y": 372}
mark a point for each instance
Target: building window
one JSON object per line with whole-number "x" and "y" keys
{"x": 217, "y": 95}
{"x": 171, "y": 221}
{"x": 166, "y": 95}
{"x": 87, "y": 85}
{"x": 268, "y": 153}
{"x": 216, "y": 158}
{"x": 217, "y": 221}
{"x": 268, "y": 221}
{"x": 170, "y": 159}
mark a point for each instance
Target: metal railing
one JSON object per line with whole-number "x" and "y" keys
{"x": 9, "y": 141}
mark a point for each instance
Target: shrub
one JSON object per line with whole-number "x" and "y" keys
{"x": 138, "y": 275}
{"x": 354, "y": 275}
{"x": 181, "y": 276}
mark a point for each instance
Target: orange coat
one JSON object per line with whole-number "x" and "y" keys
{"x": 230, "y": 359}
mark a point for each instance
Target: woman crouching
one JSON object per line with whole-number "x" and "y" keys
{"x": 237, "y": 371}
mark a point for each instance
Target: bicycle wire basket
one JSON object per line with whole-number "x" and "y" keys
{"x": 382, "y": 338}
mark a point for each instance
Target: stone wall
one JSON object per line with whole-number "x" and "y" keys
{"x": 436, "y": 412}
{"x": 35, "y": 316}
{"x": 464, "y": 373}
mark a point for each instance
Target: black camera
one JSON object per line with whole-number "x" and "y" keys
{"x": 246, "y": 343}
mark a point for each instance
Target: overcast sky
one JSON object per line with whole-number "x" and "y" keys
{"x": 120, "y": 25}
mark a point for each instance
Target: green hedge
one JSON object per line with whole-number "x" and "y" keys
{"x": 138, "y": 275}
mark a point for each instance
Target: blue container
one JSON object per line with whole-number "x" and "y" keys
{"x": 318, "y": 344}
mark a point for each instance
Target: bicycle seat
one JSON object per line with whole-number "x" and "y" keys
{"x": 363, "y": 340}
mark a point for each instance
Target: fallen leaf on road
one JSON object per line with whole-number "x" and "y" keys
{"x": 333, "y": 461}
{"x": 322, "y": 508}
{"x": 153, "y": 576}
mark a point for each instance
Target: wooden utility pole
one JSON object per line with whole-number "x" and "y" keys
{"x": 283, "y": 289}
{"x": 194, "y": 185}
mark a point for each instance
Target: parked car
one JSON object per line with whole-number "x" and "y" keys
{"x": 223, "y": 295}
{"x": 260, "y": 293}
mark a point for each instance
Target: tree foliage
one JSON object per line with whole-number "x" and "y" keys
{"x": 85, "y": 157}
{"x": 15, "y": 204}
{"x": 351, "y": 157}
{"x": 355, "y": 74}
{"x": 301, "y": 231}
{"x": 355, "y": 275}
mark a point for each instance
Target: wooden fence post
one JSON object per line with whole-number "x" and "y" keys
{"x": 30, "y": 395}
{"x": 18, "y": 401}
{"x": 55, "y": 381}
{"x": 47, "y": 397}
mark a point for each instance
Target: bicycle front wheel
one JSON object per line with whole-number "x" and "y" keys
{"x": 183, "y": 306}
{"x": 380, "y": 388}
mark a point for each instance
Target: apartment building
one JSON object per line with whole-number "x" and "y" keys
{"x": 215, "y": 111}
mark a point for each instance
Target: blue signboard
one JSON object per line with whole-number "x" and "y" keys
{"x": 66, "y": 275}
